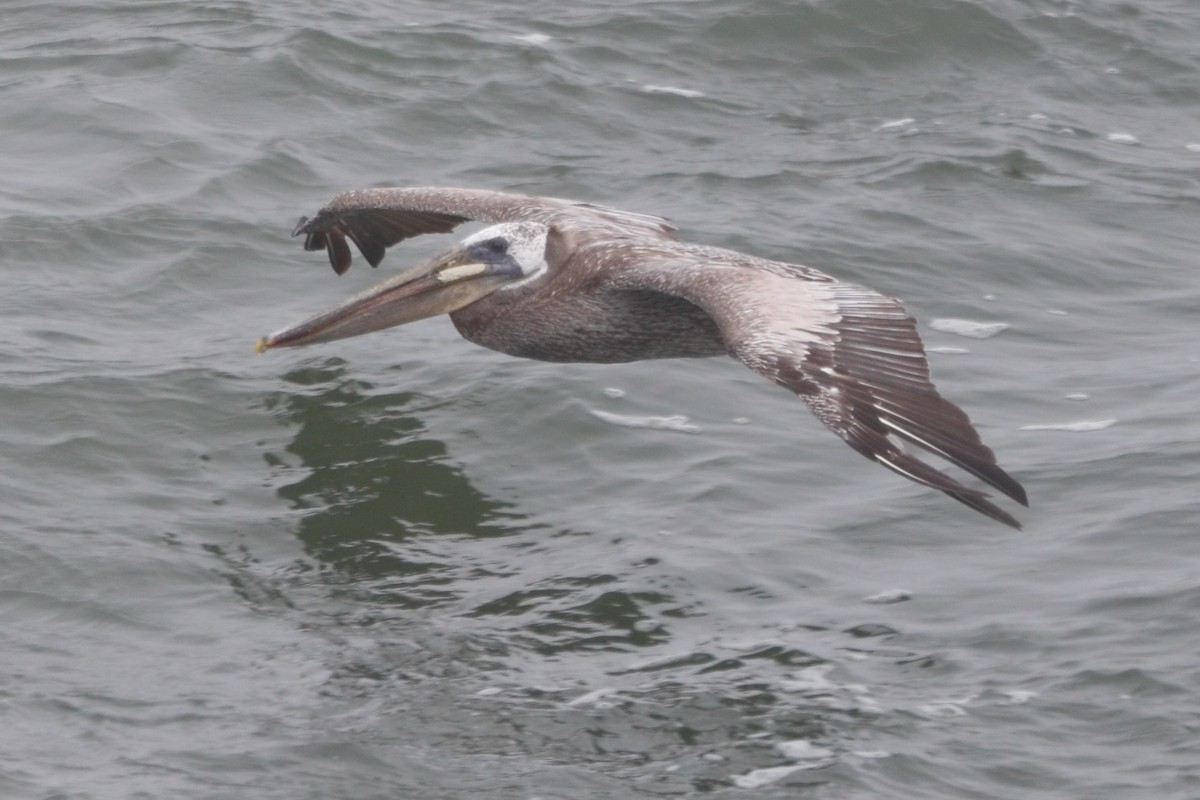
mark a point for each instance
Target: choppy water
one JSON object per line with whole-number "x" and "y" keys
{"x": 401, "y": 566}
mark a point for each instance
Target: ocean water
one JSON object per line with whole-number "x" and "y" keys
{"x": 403, "y": 566}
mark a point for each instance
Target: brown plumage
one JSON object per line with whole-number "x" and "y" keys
{"x": 556, "y": 280}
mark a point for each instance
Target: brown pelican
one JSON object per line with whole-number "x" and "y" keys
{"x": 557, "y": 280}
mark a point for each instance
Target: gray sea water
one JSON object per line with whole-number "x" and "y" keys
{"x": 401, "y": 566}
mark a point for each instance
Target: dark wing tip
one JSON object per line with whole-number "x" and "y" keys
{"x": 329, "y": 239}
{"x": 372, "y": 249}
{"x": 335, "y": 245}
{"x": 873, "y": 414}
{"x": 323, "y": 233}
{"x": 994, "y": 476}
{"x": 1018, "y": 491}
{"x": 372, "y": 229}
{"x": 928, "y": 420}
{"x": 872, "y": 441}
{"x": 978, "y": 503}
{"x": 918, "y": 471}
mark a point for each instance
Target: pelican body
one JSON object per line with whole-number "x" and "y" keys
{"x": 556, "y": 280}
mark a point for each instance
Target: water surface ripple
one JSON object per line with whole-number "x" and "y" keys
{"x": 401, "y": 566}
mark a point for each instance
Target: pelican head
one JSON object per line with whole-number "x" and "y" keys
{"x": 498, "y": 257}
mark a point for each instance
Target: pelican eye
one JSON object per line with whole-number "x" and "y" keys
{"x": 496, "y": 247}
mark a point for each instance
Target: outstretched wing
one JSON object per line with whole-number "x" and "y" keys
{"x": 376, "y": 219}
{"x": 852, "y": 354}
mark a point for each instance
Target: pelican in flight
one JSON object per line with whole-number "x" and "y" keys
{"x": 557, "y": 280}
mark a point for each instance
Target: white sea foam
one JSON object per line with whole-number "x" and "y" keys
{"x": 614, "y": 392}
{"x": 896, "y": 123}
{"x": 674, "y": 422}
{"x": 942, "y": 708}
{"x": 810, "y": 679}
{"x": 757, "y": 778}
{"x": 650, "y": 88}
{"x": 948, "y": 351}
{"x": 1019, "y": 696}
{"x": 1122, "y": 138}
{"x": 593, "y": 697}
{"x": 803, "y": 750}
{"x": 968, "y": 328}
{"x": 1082, "y": 426}
{"x": 1076, "y": 396}
{"x": 533, "y": 38}
{"x": 888, "y": 597}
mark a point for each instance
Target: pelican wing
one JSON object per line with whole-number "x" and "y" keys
{"x": 852, "y": 354}
{"x": 376, "y": 219}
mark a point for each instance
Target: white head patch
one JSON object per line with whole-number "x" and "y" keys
{"x": 526, "y": 246}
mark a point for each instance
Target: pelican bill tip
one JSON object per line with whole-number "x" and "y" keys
{"x": 262, "y": 345}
